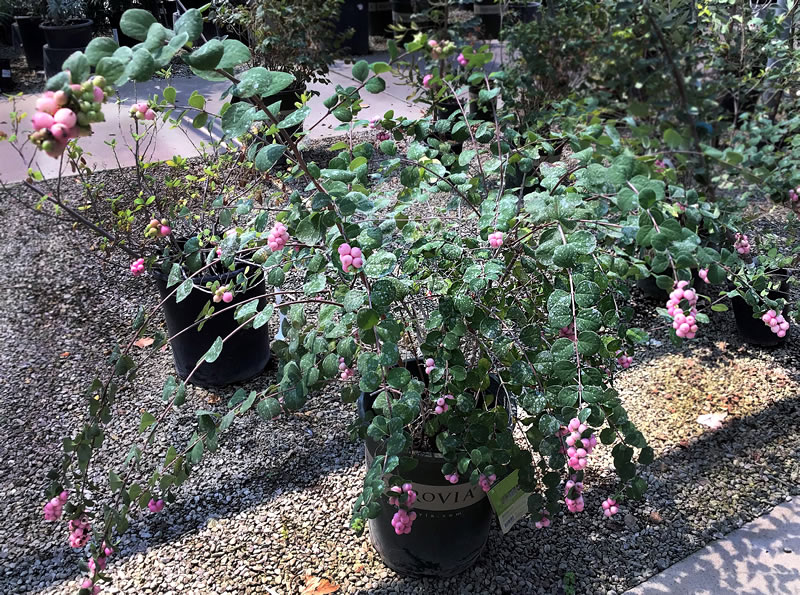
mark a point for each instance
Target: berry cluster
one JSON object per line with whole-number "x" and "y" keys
{"x": 350, "y": 256}
{"x": 441, "y": 404}
{"x": 485, "y": 481}
{"x": 624, "y": 360}
{"x": 142, "y": 111}
{"x": 703, "y": 274}
{"x": 402, "y": 519}
{"x": 685, "y": 325}
{"x": 346, "y": 372}
{"x": 742, "y": 244}
{"x": 88, "y": 585}
{"x": 157, "y": 229}
{"x": 496, "y": 239}
{"x": 545, "y": 521}
{"x": 155, "y": 505}
{"x": 610, "y": 507}
{"x": 573, "y": 495}
{"x": 375, "y": 123}
{"x": 55, "y": 508}
{"x": 776, "y": 323}
{"x": 430, "y": 365}
{"x": 462, "y": 60}
{"x": 66, "y": 114}
{"x": 137, "y": 267}
{"x": 223, "y": 294}
{"x": 277, "y": 238}
{"x": 452, "y": 478}
{"x": 794, "y": 194}
{"x": 578, "y": 448}
{"x": 102, "y": 559}
{"x": 439, "y": 50}
{"x": 79, "y": 532}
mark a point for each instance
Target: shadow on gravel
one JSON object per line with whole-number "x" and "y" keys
{"x": 615, "y": 551}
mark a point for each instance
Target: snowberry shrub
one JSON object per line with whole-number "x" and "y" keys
{"x": 512, "y": 296}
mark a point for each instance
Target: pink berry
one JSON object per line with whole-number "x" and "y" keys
{"x": 60, "y": 98}
{"x": 47, "y": 104}
{"x": 357, "y": 262}
{"x": 149, "y": 114}
{"x": 66, "y": 117}
{"x": 99, "y": 96}
{"x": 227, "y": 297}
{"x": 42, "y": 120}
{"x": 344, "y": 249}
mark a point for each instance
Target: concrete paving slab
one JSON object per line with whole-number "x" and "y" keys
{"x": 182, "y": 141}
{"x": 763, "y": 557}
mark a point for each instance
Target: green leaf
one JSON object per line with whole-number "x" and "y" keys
{"x": 236, "y": 53}
{"x": 207, "y": 57}
{"x": 112, "y": 69}
{"x": 268, "y": 156}
{"x": 361, "y": 70}
{"x": 673, "y": 139}
{"x": 170, "y": 94}
{"x": 367, "y": 319}
{"x": 549, "y": 425}
{"x": 57, "y": 82}
{"x": 398, "y": 378}
{"x": 213, "y": 353}
{"x": 647, "y": 198}
{"x": 197, "y": 101}
{"x": 380, "y": 264}
{"x": 191, "y": 23}
{"x": 262, "y": 82}
{"x": 314, "y": 284}
{"x": 268, "y": 408}
{"x": 263, "y": 317}
{"x": 296, "y": 117}
{"x": 343, "y": 114}
{"x": 136, "y": 23}
{"x": 78, "y": 66}
{"x": 237, "y": 119}
{"x": 388, "y": 148}
{"x": 141, "y": 67}
{"x": 353, "y": 300}
{"x": 565, "y": 256}
{"x": 589, "y": 343}
{"x": 559, "y": 308}
{"x": 99, "y": 48}
{"x": 184, "y": 290}
{"x": 147, "y": 421}
{"x": 375, "y": 85}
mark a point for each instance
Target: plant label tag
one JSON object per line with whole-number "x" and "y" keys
{"x": 510, "y": 503}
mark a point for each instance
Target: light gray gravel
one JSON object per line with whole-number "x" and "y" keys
{"x": 273, "y": 505}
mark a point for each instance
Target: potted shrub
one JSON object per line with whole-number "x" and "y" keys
{"x": 760, "y": 291}
{"x": 189, "y": 258}
{"x": 66, "y": 30}
{"x": 458, "y": 317}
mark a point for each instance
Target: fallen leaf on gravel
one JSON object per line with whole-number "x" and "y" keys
{"x": 712, "y": 420}
{"x": 318, "y": 586}
{"x": 143, "y": 342}
{"x": 213, "y": 398}
{"x": 65, "y": 354}
{"x": 656, "y": 518}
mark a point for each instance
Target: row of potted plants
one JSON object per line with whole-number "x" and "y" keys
{"x": 485, "y": 301}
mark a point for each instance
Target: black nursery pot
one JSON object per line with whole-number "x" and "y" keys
{"x": 453, "y": 521}
{"x": 32, "y": 38}
{"x": 243, "y": 356}
{"x": 753, "y": 330}
{"x": 380, "y": 17}
{"x": 354, "y": 14}
{"x": 489, "y": 12}
{"x": 76, "y": 34}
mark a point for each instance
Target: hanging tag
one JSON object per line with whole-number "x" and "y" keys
{"x": 509, "y": 502}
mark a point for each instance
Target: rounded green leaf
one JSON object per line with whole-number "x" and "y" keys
{"x": 136, "y": 23}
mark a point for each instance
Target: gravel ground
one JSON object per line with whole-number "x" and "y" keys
{"x": 273, "y": 505}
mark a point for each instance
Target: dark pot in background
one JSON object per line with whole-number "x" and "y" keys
{"x": 453, "y": 521}
{"x": 480, "y": 111}
{"x": 753, "y": 330}
{"x": 354, "y": 15}
{"x": 244, "y": 355}
{"x": 76, "y": 34}
{"x": 380, "y": 17}
{"x": 489, "y": 13}
{"x": 33, "y": 40}
{"x": 527, "y": 12}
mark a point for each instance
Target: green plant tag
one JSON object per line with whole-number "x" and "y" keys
{"x": 509, "y": 502}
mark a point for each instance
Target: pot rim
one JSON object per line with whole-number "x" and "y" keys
{"x": 159, "y": 275}
{"x": 73, "y": 24}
